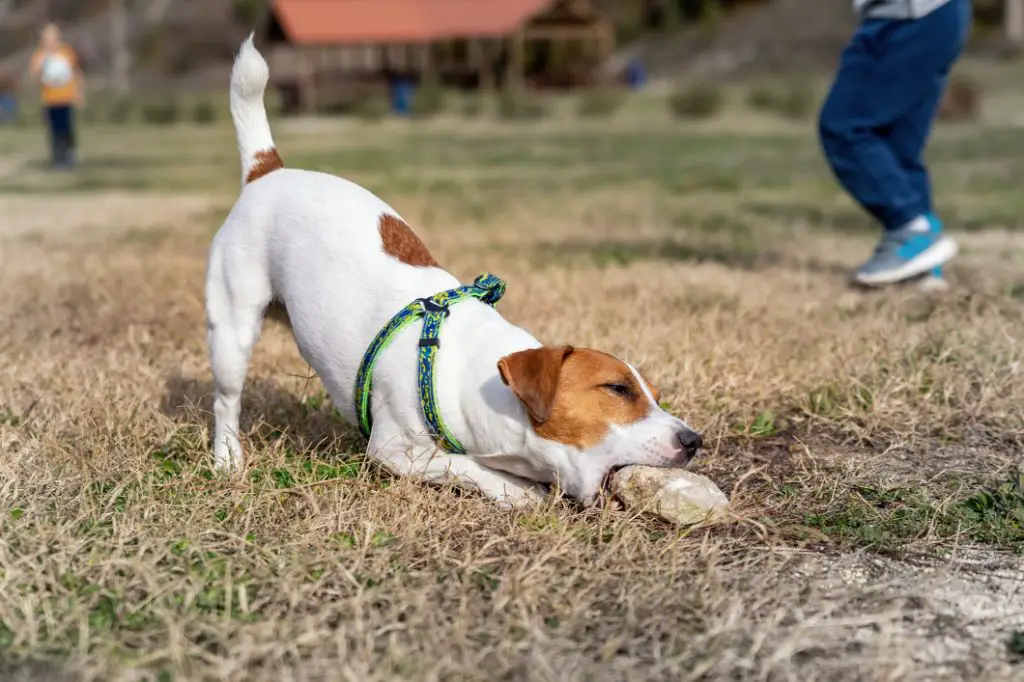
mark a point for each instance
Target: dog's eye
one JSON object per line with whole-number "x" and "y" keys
{"x": 617, "y": 389}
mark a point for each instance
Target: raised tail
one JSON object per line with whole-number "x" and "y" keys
{"x": 249, "y": 78}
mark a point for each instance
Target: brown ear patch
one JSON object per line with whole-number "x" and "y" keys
{"x": 533, "y": 376}
{"x": 402, "y": 244}
{"x": 575, "y": 397}
{"x": 264, "y": 163}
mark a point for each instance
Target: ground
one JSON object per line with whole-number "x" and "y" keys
{"x": 868, "y": 440}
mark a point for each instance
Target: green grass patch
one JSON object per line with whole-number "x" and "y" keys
{"x": 515, "y": 104}
{"x": 601, "y": 102}
{"x": 794, "y": 101}
{"x": 1015, "y": 645}
{"x": 697, "y": 102}
{"x": 892, "y": 519}
{"x": 764, "y": 424}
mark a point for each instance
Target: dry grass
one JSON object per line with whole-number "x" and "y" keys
{"x": 850, "y": 428}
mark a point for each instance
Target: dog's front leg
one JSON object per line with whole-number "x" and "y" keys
{"x": 429, "y": 464}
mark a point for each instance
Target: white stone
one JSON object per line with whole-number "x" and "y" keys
{"x": 676, "y": 495}
{"x": 930, "y": 284}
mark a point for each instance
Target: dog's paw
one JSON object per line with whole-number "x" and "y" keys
{"x": 521, "y": 499}
{"x": 227, "y": 459}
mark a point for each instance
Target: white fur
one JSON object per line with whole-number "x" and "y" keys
{"x": 311, "y": 241}
{"x": 249, "y": 78}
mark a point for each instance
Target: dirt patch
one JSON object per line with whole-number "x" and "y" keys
{"x": 957, "y": 615}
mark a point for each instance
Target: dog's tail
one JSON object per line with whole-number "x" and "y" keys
{"x": 249, "y": 78}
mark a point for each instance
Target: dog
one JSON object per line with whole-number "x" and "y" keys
{"x": 341, "y": 262}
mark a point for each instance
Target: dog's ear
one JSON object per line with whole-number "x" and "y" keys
{"x": 533, "y": 376}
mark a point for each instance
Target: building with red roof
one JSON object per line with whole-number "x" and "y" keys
{"x": 316, "y": 47}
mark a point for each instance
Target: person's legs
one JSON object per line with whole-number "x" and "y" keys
{"x": 908, "y": 138}
{"x": 874, "y": 125}
{"x": 52, "y": 121}
{"x": 856, "y": 109}
{"x": 70, "y": 150}
{"x": 60, "y": 121}
{"x": 909, "y": 134}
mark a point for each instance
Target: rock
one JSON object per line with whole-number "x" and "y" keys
{"x": 930, "y": 284}
{"x": 676, "y": 495}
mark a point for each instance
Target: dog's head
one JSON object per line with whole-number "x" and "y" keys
{"x": 593, "y": 413}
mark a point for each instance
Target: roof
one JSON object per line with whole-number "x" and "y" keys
{"x": 392, "y": 21}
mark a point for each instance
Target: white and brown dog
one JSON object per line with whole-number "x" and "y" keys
{"x": 342, "y": 262}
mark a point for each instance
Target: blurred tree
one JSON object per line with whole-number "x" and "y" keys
{"x": 250, "y": 12}
{"x": 1013, "y": 23}
{"x": 120, "y": 61}
{"x": 152, "y": 12}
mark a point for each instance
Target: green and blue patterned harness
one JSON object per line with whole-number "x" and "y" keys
{"x": 433, "y": 310}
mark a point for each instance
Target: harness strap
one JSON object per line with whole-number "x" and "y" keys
{"x": 433, "y": 311}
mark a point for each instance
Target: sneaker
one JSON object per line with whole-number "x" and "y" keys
{"x": 911, "y": 251}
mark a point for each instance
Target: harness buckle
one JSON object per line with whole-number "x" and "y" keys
{"x": 432, "y": 307}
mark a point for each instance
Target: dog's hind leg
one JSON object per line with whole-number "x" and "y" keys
{"x": 236, "y": 299}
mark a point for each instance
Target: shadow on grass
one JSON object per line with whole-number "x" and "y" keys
{"x": 270, "y": 413}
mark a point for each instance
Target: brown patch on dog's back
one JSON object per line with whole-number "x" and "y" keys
{"x": 264, "y": 163}
{"x": 402, "y": 244}
{"x": 574, "y": 396}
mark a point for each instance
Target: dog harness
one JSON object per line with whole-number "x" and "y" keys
{"x": 433, "y": 311}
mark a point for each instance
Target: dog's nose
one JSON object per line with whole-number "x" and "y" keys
{"x": 690, "y": 441}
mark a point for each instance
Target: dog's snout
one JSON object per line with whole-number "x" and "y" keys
{"x": 690, "y": 441}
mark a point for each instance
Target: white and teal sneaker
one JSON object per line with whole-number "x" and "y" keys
{"x": 917, "y": 248}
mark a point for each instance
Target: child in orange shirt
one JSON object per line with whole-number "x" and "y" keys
{"x": 56, "y": 67}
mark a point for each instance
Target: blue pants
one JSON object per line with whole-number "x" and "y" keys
{"x": 877, "y": 117}
{"x": 61, "y": 124}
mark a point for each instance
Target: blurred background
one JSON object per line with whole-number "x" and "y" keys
{"x": 161, "y": 61}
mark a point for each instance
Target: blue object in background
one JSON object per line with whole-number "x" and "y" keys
{"x": 636, "y": 74}
{"x": 402, "y": 93}
{"x": 8, "y": 108}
